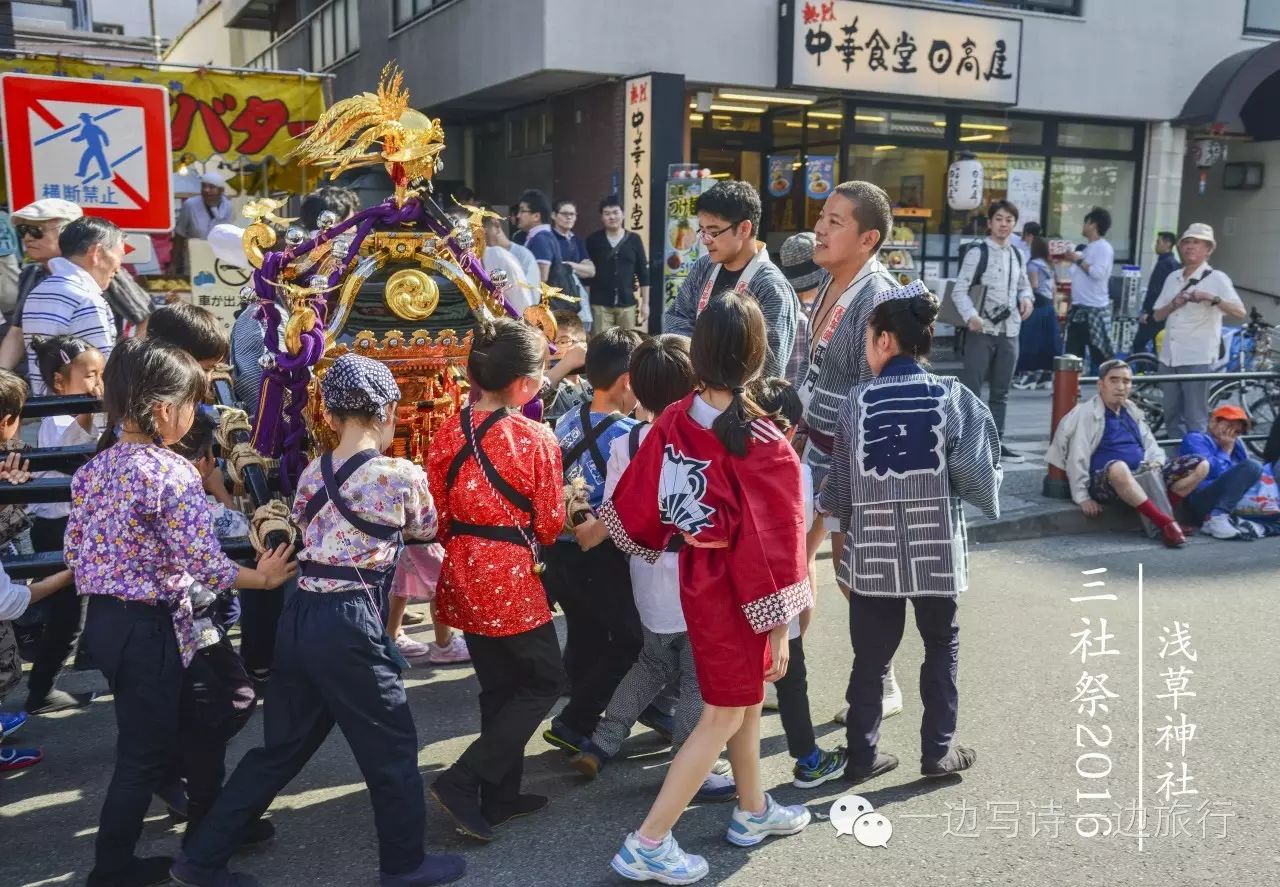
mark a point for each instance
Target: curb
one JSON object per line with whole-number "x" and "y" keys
{"x": 1053, "y": 520}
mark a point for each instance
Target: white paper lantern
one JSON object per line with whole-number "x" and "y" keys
{"x": 964, "y": 183}
{"x": 1207, "y": 152}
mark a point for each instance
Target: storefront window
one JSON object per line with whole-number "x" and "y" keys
{"x": 894, "y": 122}
{"x": 998, "y": 131}
{"x": 1020, "y": 180}
{"x": 728, "y": 121}
{"x": 788, "y": 127}
{"x": 1080, "y": 184}
{"x": 913, "y": 177}
{"x": 726, "y": 163}
{"x": 1095, "y": 135}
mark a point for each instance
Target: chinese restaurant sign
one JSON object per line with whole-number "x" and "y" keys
{"x": 231, "y": 115}
{"x": 638, "y": 147}
{"x": 878, "y": 48}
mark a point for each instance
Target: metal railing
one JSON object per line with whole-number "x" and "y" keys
{"x": 324, "y": 38}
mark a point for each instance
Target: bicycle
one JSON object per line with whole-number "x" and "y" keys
{"x": 1249, "y": 350}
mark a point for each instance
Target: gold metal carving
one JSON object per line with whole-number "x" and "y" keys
{"x": 257, "y": 238}
{"x": 412, "y": 294}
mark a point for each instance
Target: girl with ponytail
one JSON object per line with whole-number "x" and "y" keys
{"x": 496, "y": 480}
{"x": 715, "y": 470}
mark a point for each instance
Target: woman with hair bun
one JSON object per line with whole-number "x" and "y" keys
{"x": 909, "y": 446}
{"x": 496, "y": 480}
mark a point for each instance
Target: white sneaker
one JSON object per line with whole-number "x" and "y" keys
{"x": 411, "y": 649}
{"x": 771, "y": 696}
{"x": 666, "y": 864}
{"x": 453, "y": 652}
{"x": 1219, "y": 526}
{"x": 746, "y": 830}
{"x": 891, "y": 697}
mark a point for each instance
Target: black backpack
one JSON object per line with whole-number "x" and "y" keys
{"x": 984, "y": 254}
{"x": 560, "y": 275}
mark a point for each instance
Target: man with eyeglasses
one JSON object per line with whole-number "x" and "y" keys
{"x": 37, "y": 226}
{"x": 728, "y": 220}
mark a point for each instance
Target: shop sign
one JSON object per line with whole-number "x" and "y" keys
{"x": 781, "y": 171}
{"x": 855, "y": 45}
{"x": 639, "y": 149}
{"x": 820, "y": 176}
{"x": 682, "y": 247}
{"x": 214, "y": 283}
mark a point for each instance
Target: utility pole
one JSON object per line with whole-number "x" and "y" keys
{"x": 155, "y": 35}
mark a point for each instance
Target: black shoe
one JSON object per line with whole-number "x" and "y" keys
{"x": 523, "y": 805}
{"x": 464, "y": 806}
{"x": 144, "y": 872}
{"x": 563, "y": 738}
{"x": 259, "y": 832}
{"x": 662, "y": 724}
{"x": 174, "y": 796}
{"x": 188, "y": 874}
{"x": 1008, "y": 455}
{"x": 881, "y": 765}
{"x": 57, "y": 700}
{"x": 957, "y": 759}
{"x": 441, "y": 868}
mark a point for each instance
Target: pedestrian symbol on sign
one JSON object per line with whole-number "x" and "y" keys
{"x": 95, "y": 139}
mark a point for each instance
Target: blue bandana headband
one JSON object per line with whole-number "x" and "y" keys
{"x": 360, "y": 385}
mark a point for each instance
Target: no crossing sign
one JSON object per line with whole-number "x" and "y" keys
{"x": 104, "y": 146}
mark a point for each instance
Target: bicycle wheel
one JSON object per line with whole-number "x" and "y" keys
{"x": 1259, "y": 398}
{"x": 1149, "y": 396}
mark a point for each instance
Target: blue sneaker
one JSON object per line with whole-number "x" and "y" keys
{"x": 830, "y": 766}
{"x": 715, "y": 789}
{"x": 10, "y": 721}
{"x": 746, "y": 830}
{"x": 17, "y": 758}
{"x": 563, "y": 738}
{"x": 666, "y": 864}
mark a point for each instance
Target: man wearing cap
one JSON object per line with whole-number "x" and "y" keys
{"x": 1191, "y": 304}
{"x": 1103, "y": 443}
{"x": 199, "y": 214}
{"x": 38, "y": 226}
{"x": 805, "y": 276}
{"x": 1231, "y": 471}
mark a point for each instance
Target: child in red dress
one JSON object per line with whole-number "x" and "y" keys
{"x": 716, "y": 469}
{"x": 495, "y": 477}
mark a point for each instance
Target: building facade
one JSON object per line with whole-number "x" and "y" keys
{"x": 115, "y": 29}
{"x": 1067, "y": 104}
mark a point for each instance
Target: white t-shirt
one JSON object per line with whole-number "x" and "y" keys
{"x": 1192, "y": 334}
{"x": 806, "y": 490}
{"x": 527, "y": 261}
{"x": 521, "y": 292}
{"x": 656, "y": 586}
{"x": 1089, "y": 288}
{"x": 61, "y": 431}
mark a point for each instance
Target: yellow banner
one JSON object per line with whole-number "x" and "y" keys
{"x": 231, "y": 115}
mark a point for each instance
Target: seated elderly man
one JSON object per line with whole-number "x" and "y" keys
{"x": 1104, "y": 442}
{"x": 1230, "y": 475}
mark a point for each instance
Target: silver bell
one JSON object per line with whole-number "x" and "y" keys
{"x": 294, "y": 235}
{"x": 318, "y": 282}
{"x": 267, "y": 360}
{"x": 340, "y": 246}
{"x": 327, "y": 219}
{"x": 498, "y": 278}
{"x": 248, "y": 294}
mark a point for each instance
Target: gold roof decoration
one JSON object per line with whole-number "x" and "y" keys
{"x": 375, "y": 128}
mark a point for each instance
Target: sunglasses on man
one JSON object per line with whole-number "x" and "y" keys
{"x": 35, "y": 232}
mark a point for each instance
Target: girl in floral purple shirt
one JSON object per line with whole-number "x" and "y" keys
{"x": 138, "y": 522}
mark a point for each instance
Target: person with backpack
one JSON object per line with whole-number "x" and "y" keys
{"x": 993, "y": 296}
{"x": 593, "y": 588}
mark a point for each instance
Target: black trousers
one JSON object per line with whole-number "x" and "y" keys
{"x": 63, "y": 626}
{"x": 217, "y": 701}
{"x": 1223, "y": 493}
{"x": 332, "y": 666}
{"x": 593, "y": 589}
{"x": 520, "y": 678}
{"x": 793, "y": 704}
{"x": 134, "y": 646}
{"x": 259, "y": 617}
{"x": 875, "y": 627}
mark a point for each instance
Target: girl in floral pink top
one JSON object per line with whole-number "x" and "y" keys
{"x": 138, "y": 522}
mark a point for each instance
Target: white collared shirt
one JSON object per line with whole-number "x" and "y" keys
{"x": 1193, "y": 332}
{"x": 68, "y": 301}
{"x": 1089, "y": 288}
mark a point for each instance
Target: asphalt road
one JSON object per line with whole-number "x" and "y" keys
{"x": 998, "y": 825}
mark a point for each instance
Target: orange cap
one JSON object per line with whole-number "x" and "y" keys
{"x": 1233, "y": 413}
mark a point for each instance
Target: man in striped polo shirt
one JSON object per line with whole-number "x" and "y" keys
{"x": 69, "y": 301}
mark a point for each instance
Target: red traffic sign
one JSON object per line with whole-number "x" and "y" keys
{"x": 102, "y": 145}
{"x": 138, "y": 249}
